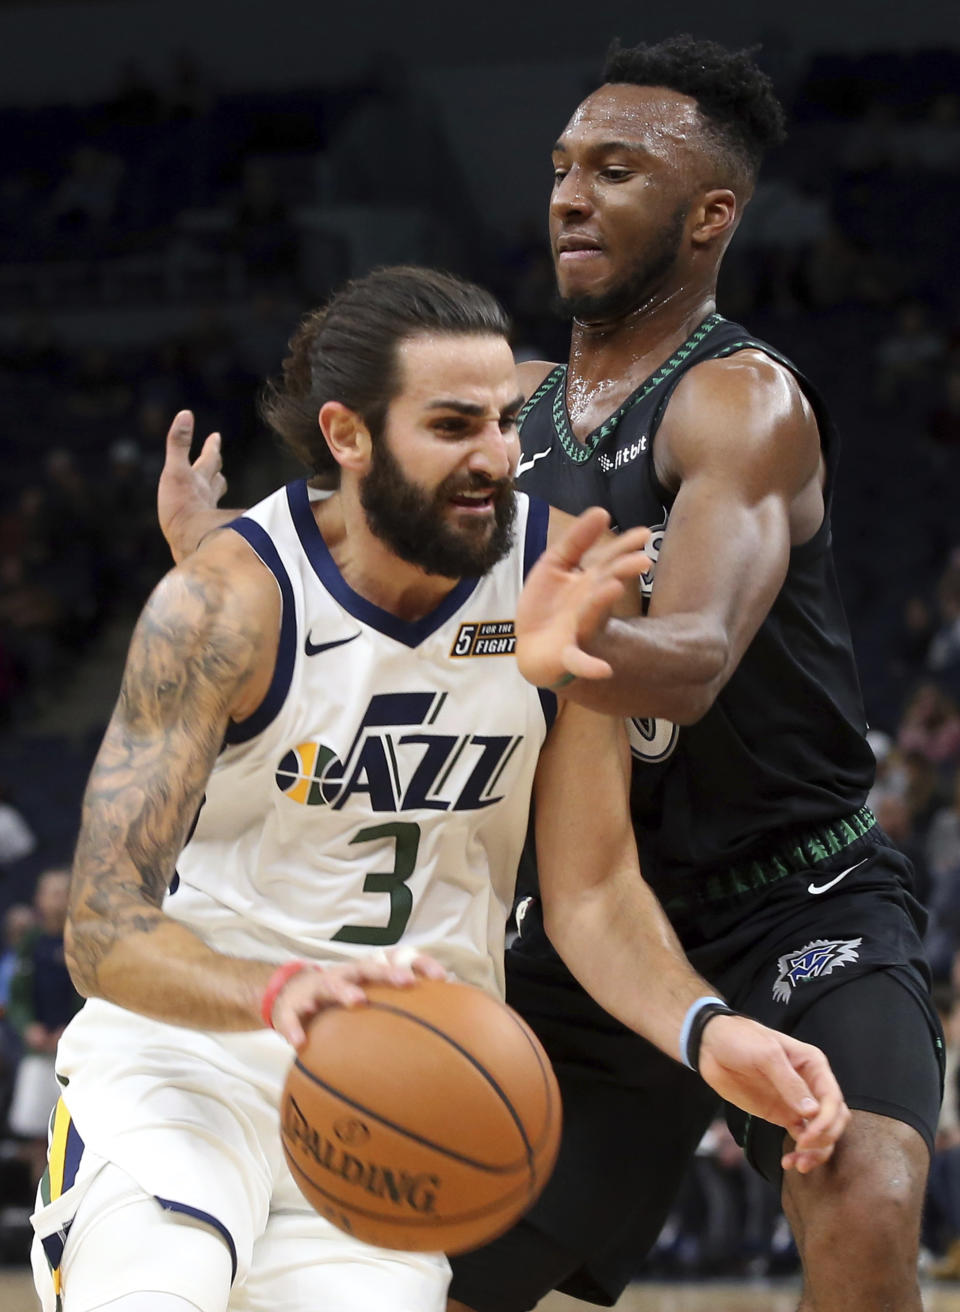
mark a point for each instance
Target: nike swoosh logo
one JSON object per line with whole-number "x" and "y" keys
{"x": 524, "y": 465}
{"x": 822, "y": 888}
{"x": 315, "y": 649}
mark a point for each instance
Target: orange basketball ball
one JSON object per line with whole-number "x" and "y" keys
{"x": 428, "y": 1119}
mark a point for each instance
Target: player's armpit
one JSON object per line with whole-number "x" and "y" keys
{"x": 199, "y": 648}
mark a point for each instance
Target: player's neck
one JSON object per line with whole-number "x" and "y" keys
{"x": 371, "y": 568}
{"x": 632, "y": 346}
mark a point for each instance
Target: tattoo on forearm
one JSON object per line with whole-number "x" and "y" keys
{"x": 187, "y": 660}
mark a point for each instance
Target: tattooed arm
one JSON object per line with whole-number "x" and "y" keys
{"x": 202, "y": 650}
{"x": 202, "y": 654}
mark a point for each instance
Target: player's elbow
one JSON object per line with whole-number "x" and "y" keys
{"x": 78, "y": 953}
{"x": 705, "y": 672}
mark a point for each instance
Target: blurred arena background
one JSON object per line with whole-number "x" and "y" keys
{"x": 180, "y": 181}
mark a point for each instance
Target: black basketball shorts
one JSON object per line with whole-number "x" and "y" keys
{"x": 831, "y": 954}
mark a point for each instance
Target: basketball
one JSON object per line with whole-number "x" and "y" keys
{"x": 428, "y": 1119}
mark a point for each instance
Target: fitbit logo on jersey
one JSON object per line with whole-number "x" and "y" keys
{"x": 410, "y": 1191}
{"x": 398, "y": 770}
{"x": 624, "y": 455}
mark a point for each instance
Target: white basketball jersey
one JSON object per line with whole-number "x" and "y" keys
{"x": 381, "y": 792}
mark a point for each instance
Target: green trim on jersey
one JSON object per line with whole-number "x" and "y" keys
{"x": 555, "y": 373}
{"x": 580, "y": 452}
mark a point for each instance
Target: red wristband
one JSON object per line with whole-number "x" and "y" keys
{"x": 275, "y": 984}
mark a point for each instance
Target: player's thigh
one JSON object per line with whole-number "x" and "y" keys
{"x": 301, "y": 1263}
{"x": 881, "y": 1039}
{"x": 623, "y": 1155}
{"x": 122, "y": 1241}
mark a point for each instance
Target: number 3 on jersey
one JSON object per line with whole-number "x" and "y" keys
{"x": 406, "y": 841}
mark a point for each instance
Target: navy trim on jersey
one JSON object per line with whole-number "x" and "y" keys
{"x": 535, "y": 538}
{"x": 548, "y": 704}
{"x": 258, "y": 538}
{"x": 170, "y": 1205}
{"x": 410, "y": 633}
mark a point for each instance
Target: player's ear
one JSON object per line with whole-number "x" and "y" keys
{"x": 714, "y": 216}
{"x": 347, "y": 436}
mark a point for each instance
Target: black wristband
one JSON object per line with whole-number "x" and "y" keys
{"x": 706, "y": 1013}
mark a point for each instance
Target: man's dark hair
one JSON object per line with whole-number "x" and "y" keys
{"x": 735, "y": 98}
{"x": 347, "y": 351}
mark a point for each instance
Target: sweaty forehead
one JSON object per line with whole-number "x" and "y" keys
{"x": 474, "y": 367}
{"x": 651, "y": 116}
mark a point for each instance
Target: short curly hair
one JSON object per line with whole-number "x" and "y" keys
{"x": 736, "y": 99}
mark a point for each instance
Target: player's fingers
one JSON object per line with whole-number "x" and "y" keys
{"x": 832, "y": 1114}
{"x": 595, "y": 609}
{"x": 420, "y": 965}
{"x": 179, "y": 439}
{"x": 581, "y": 535}
{"x": 582, "y": 665}
{"x": 630, "y": 566}
{"x": 613, "y": 545}
{"x": 209, "y": 462}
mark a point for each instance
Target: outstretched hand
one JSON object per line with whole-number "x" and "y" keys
{"x": 570, "y": 594}
{"x": 188, "y": 493}
{"x": 315, "y": 988}
{"x": 779, "y": 1079}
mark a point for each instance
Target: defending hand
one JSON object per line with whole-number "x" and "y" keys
{"x": 779, "y": 1079}
{"x": 570, "y": 594}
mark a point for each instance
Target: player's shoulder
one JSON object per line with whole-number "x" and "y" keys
{"x": 744, "y": 376}
{"x": 223, "y": 581}
{"x": 531, "y": 373}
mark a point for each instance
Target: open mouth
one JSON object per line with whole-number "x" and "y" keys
{"x": 475, "y": 501}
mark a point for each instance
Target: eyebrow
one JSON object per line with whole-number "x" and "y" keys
{"x": 471, "y": 408}
{"x": 618, "y": 144}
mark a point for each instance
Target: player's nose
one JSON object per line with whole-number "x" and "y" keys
{"x": 495, "y": 455}
{"x": 570, "y": 195}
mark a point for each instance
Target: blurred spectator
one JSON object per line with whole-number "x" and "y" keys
{"x": 134, "y": 553}
{"x": 42, "y": 1002}
{"x": 869, "y": 144}
{"x": 18, "y": 921}
{"x": 942, "y": 853}
{"x": 897, "y": 822}
{"x": 930, "y": 726}
{"x": 942, "y": 1219}
{"x": 933, "y": 141}
{"x": 84, "y": 202}
{"x": 189, "y": 92}
{"x": 136, "y": 100}
{"x": 943, "y": 425}
{"x": 98, "y": 389}
{"x": 907, "y": 358}
{"x": 263, "y": 233}
{"x": 943, "y": 839}
{"x": 35, "y": 349}
{"x": 17, "y": 839}
{"x": 943, "y": 656}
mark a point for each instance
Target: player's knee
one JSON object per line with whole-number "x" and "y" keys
{"x": 871, "y": 1192}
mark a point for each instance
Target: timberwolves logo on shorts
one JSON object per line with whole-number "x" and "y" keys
{"x": 821, "y": 957}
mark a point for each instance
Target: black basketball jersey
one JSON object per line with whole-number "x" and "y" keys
{"x": 783, "y": 747}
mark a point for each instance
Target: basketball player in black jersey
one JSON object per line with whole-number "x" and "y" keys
{"x": 751, "y": 767}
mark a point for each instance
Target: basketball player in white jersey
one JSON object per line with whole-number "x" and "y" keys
{"x": 319, "y": 774}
